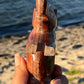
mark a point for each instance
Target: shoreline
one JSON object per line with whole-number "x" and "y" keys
{"x": 69, "y": 52}
{"x": 29, "y": 29}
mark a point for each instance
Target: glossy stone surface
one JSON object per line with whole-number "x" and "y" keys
{"x": 41, "y": 46}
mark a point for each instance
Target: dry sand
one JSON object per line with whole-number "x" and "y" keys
{"x": 69, "y": 53}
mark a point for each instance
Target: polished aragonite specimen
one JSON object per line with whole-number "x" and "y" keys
{"x": 41, "y": 44}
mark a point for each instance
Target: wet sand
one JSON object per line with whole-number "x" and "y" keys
{"x": 69, "y": 53}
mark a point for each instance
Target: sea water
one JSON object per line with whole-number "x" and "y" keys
{"x": 16, "y": 15}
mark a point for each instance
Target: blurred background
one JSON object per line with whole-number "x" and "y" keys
{"x": 16, "y": 24}
{"x": 16, "y": 15}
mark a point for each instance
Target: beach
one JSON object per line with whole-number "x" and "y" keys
{"x": 69, "y": 53}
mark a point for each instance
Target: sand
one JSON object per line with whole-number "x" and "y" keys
{"x": 69, "y": 53}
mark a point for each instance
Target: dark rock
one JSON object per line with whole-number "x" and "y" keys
{"x": 18, "y": 42}
{"x": 71, "y": 43}
{"x": 4, "y": 55}
{"x": 12, "y": 56}
{"x": 0, "y": 63}
{"x": 56, "y": 54}
{"x": 12, "y": 69}
{"x": 80, "y": 57}
{"x": 24, "y": 46}
{"x": 1, "y": 72}
{"x": 63, "y": 58}
{"x": 10, "y": 64}
{"x": 77, "y": 46}
{"x": 81, "y": 81}
{"x": 62, "y": 39}
{"x": 64, "y": 70}
{"x": 65, "y": 46}
{"x": 13, "y": 61}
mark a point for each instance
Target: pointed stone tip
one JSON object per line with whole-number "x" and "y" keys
{"x": 41, "y": 6}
